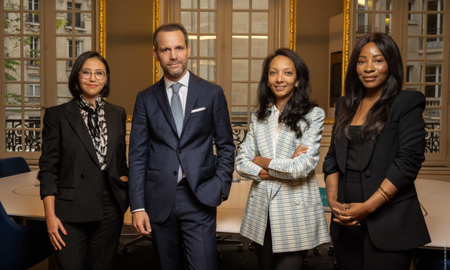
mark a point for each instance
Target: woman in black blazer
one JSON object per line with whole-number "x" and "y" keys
{"x": 377, "y": 148}
{"x": 83, "y": 170}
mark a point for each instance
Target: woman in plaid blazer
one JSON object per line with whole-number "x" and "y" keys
{"x": 284, "y": 213}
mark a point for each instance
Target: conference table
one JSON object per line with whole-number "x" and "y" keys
{"x": 19, "y": 195}
{"x": 20, "y": 198}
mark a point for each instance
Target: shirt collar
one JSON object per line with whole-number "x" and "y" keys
{"x": 183, "y": 81}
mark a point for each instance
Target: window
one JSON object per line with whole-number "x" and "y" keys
{"x": 29, "y": 86}
{"x": 231, "y": 56}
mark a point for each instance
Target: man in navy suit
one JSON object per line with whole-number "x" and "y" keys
{"x": 176, "y": 181}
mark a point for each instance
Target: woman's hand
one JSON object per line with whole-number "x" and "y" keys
{"x": 352, "y": 213}
{"x": 300, "y": 150}
{"x": 53, "y": 227}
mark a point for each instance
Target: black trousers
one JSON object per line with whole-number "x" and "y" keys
{"x": 93, "y": 245}
{"x": 268, "y": 260}
{"x": 354, "y": 248}
{"x": 190, "y": 224}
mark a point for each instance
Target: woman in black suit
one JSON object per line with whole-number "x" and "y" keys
{"x": 83, "y": 170}
{"x": 377, "y": 148}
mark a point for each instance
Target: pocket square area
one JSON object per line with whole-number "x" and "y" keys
{"x": 198, "y": 110}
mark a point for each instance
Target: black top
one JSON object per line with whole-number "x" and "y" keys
{"x": 355, "y": 144}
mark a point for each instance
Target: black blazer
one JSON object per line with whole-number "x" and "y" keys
{"x": 69, "y": 167}
{"x": 397, "y": 155}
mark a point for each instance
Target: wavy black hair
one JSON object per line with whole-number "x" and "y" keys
{"x": 378, "y": 115}
{"x": 74, "y": 87}
{"x": 298, "y": 105}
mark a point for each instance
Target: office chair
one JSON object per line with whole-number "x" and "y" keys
{"x": 12, "y": 166}
{"x": 22, "y": 247}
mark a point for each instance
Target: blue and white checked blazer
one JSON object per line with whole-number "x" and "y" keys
{"x": 296, "y": 215}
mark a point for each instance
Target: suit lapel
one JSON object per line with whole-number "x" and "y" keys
{"x": 163, "y": 101}
{"x": 75, "y": 119}
{"x": 366, "y": 153}
{"x": 111, "y": 127}
{"x": 193, "y": 92}
{"x": 341, "y": 151}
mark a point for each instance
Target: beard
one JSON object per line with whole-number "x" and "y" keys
{"x": 175, "y": 73}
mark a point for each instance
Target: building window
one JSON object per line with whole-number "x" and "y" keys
{"x": 78, "y": 50}
{"x": 79, "y": 23}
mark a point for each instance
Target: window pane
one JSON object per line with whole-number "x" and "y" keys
{"x": 31, "y": 23}
{"x": 260, "y": 4}
{"x": 83, "y": 24}
{"x": 33, "y": 140}
{"x": 434, "y": 48}
{"x": 189, "y": 4}
{"x": 239, "y": 93}
{"x": 32, "y": 117}
{"x": 260, "y": 46}
{"x": 13, "y": 117}
{"x": 364, "y": 23}
{"x": 435, "y": 24}
{"x": 63, "y": 69}
{"x": 63, "y": 23}
{"x": 62, "y": 94}
{"x": 11, "y": 5}
{"x": 241, "y": 4}
{"x": 416, "y": 5}
{"x": 260, "y": 22}
{"x": 189, "y": 20}
{"x": 83, "y": 44}
{"x": 208, "y": 46}
{"x": 11, "y": 23}
{"x": 208, "y": 69}
{"x": 32, "y": 94}
{"x": 433, "y": 95}
{"x": 240, "y": 22}
{"x": 418, "y": 28}
{"x": 414, "y": 71}
{"x": 86, "y": 5}
{"x": 415, "y": 48}
{"x": 31, "y": 46}
{"x": 64, "y": 5}
{"x": 414, "y": 87}
{"x": 253, "y": 94}
{"x": 239, "y": 70}
{"x": 32, "y": 71}
{"x": 207, "y": 4}
{"x": 193, "y": 45}
{"x": 435, "y": 5}
{"x": 383, "y": 23}
{"x": 434, "y": 72}
{"x": 239, "y": 116}
{"x": 12, "y": 70}
{"x": 12, "y": 46}
{"x": 239, "y": 46}
{"x": 256, "y": 69}
{"x": 63, "y": 47}
{"x": 207, "y": 22}
{"x": 13, "y": 94}
{"x": 192, "y": 66}
{"x": 365, "y": 4}
{"x": 383, "y": 5}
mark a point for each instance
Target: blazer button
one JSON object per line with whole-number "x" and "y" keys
{"x": 82, "y": 176}
{"x": 179, "y": 151}
{"x": 367, "y": 173}
{"x": 175, "y": 172}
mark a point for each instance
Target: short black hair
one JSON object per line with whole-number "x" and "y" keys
{"x": 170, "y": 27}
{"x": 74, "y": 87}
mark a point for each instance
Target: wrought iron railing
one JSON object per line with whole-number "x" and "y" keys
{"x": 14, "y": 137}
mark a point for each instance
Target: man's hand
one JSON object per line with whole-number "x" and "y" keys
{"x": 141, "y": 223}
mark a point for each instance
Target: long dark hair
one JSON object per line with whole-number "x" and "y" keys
{"x": 298, "y": 105}
{"x": 74, "y": 87}
{"x": 378, "y": 115}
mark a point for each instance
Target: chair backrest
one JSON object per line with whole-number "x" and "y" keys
{"x": 12, "y": 166}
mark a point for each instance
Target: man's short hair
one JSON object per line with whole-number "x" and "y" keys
{"x": 169, "y": 27}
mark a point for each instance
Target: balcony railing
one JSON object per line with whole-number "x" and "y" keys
{"x": 13, "y": 141}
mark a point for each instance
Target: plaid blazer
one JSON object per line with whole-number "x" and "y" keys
{"x": 293, "y": 204}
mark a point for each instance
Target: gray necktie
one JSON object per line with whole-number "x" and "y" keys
{"x": 177, "y": 112}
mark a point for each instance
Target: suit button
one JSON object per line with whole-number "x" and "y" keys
{"x": 82, "y": 176}
{"x": 179, "y": 151}
{"x": 175, "y": 172}
{"x": 367, "y": 173}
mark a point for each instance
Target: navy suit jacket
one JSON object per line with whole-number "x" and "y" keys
{"x": 156, "y": 150}
{"x": 397, "y": 154}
